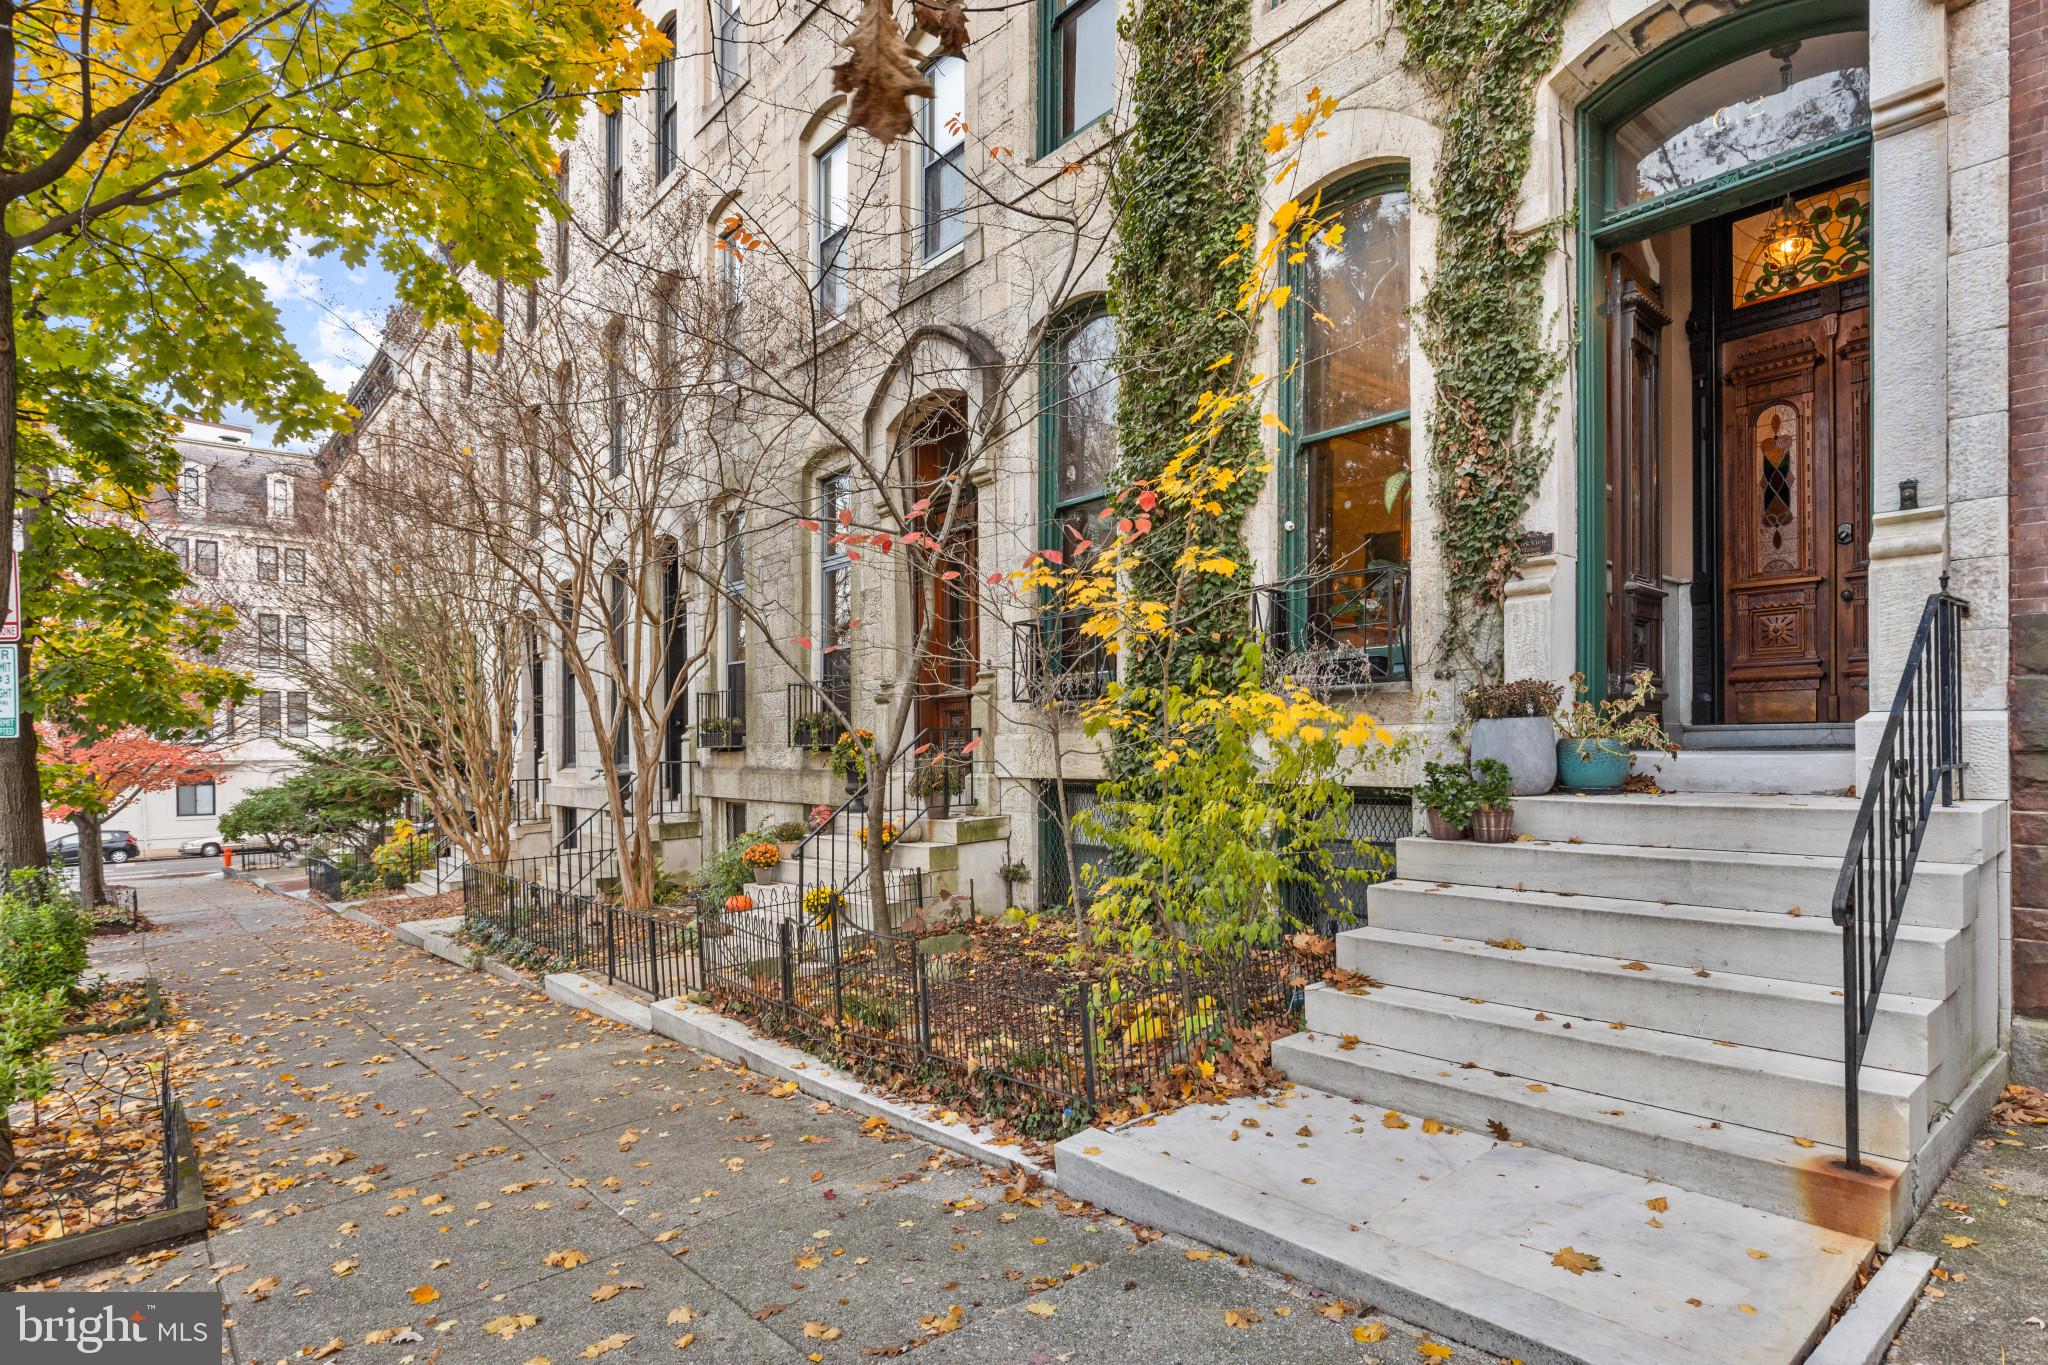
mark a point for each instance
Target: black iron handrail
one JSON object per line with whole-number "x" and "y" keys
{"x": 1919, "y": 758}
{"x": 529, "y": 799}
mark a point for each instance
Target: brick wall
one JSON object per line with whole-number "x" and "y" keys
{"x": 2029, "y": 509}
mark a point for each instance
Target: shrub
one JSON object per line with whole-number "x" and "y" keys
{"x": 28, "y": 1021}
{"x": 1506, "y": 701}
{"x": 1449, "y": 792}
{"x": 403, "y": 854}
{"x": 43, "y": 935}
{"x": 788, "y": 831}
{"x": 763, "y": 855}
{"x": 1493, "y": 787}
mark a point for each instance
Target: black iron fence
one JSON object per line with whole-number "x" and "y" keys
{"x": 99, "y": 1150}
{"x": 344, "y": 874}
{"x": 1919, "y": 760}
{"x": 266, "y": 858}
{"x": 548, "y": 930}
{"x": 1053, "y": 661}
{"x": 1051, "y": 1051}
{"x": 121, "y": 905}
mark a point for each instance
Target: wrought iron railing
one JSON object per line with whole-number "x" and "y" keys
{"x": 1342, "y": 628}
{"x": 547, "y": 929}
{"x": 671, "y": 786}
{"x": 1919, "y": 760}
{"x": 529, "y": 799}
{"x": 1053, "y": 661}
{"x": 813, "y": 723}
{"x": 722, "y": 720}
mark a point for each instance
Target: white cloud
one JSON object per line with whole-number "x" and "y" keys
{"x": 293, "y": 277}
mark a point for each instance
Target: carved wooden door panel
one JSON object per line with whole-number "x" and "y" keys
{"x": 1852, "y": 515}
{"x": 1635, "y": 441}
{"x": 1777, "y": 402}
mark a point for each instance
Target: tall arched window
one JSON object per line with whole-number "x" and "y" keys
{"x": 279, "y": 501}
{"x": 192, "y": 489}
{"x": 1349, "y": 546}
{"x": 1077, "y": 451}
{"x": 665, "y": 105}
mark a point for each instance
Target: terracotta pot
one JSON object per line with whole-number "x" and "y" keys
{"x": 1440, "y": 828}
{"x": 1494, "y": 824}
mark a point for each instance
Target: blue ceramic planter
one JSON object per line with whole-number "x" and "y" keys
{"x": 1592, "y": 765}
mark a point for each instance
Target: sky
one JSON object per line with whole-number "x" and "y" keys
{"x": 332, "y": 313}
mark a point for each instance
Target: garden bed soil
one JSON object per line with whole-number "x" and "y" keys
{"x": 388, "y": 910}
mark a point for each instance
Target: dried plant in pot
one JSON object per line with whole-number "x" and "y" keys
{"x": 1493, "y": 815}
{"x": 1511, "y": 722}
{"x": 1449, "y": 798}
{"x": 1596, "y": 741}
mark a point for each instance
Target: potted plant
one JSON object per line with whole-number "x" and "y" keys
{"x": 722, "y": 732}
{"x": 1511, "y": 723}
{"x": 940, "y": 773}
{"x": 762, "y": 857}
{"x": 849, "y": 758}
{"x": 815, "y": 731}
{"x": 787, "y": 834}
{"x": 1493, "y": 813}
{"x": 823, "y": 905}
{"x": 1449, "y": 797}
{"x": 1596, "y": 740}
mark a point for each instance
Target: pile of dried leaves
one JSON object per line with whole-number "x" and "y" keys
{"x": 82, "y": 1164}
{"x": 2021, "y": 1106}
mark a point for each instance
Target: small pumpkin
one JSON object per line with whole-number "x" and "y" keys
{"x": 738, "y": 903}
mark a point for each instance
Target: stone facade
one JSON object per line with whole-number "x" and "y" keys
{"x": 1953, "y": 124}
{"x": 2027, "y": 451}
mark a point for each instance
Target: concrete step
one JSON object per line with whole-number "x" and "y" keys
{"x": 967, "y": 829}
{"x": 1925, "y": 962}
{"x": 1779, "y": 1092}
{"x": 1908, "y": 1034}
{"x": 1968, "y": 832}
{"x": 1943, "y": 895}
{"x": 1765, "y": 771}
{"x": 1747, "y": 1165}
{"x": 1457, "y": 1232}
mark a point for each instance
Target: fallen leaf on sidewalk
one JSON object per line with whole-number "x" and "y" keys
{"x": 567, "y": 1260}
{"x": 1578, "y": 1262}
{"x": 606, "y": 1346}
{"x": 425, "y": 1293}
{"x": 506, "y": 1324}
{"x": 1367, "y": 1333}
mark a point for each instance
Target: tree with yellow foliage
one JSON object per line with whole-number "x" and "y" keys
{"x": 146, "y": 146}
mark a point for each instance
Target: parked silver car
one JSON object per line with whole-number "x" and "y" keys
{"x": 210, "y": 848}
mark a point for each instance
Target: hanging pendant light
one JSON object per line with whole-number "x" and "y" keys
{"x": 1790, "y": 235}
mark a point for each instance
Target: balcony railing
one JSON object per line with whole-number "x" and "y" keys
{"x": 1345, "y": 628}
{"x": 529, "y": 799}
{"x": 813, "y": 724}
{"x": 671, "y": 786}
{"x": 1052, "y": 661}
{"x": 722, "y": 720}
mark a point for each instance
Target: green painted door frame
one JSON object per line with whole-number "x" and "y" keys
{"x": 1756, "y": 28}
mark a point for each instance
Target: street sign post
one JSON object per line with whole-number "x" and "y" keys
{"x": 10, "y": 625}
{"x": 10, "y": 691}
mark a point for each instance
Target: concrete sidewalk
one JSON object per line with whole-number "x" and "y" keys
{"x": 402, "y": 1154}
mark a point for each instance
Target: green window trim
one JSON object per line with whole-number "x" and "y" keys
{"x": 1050, "y": 505}
{"x": 1751, "y": 29}
{"x": 1292, "y": 478}
{"x": 1050, "y": 138}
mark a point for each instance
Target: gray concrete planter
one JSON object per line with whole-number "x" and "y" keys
{"x": 1527, "y": 744}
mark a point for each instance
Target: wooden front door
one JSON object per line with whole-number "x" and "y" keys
{"x": 1795, "y": 489}
{"x": 947, "y": 611}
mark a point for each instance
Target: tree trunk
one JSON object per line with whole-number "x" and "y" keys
{"x": 92, "y": 878}
{"x": 21, "y": 800}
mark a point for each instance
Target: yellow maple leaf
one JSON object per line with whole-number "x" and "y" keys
{"x": 425, "y": 1293}
{"x": 1393, "y": 1120}
{"x": 1958, "y": 1241}
{"x": 1367, "y": 1333}
{"x": 1433, "y": 1350}
{"x": 1578, "y": 1262}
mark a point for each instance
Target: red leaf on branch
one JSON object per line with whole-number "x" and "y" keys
{"x": 970, "y": 746}
{"x": 1148, "y": 500}
{"x": 810, "y": 525}
{"x": 803, "y": 642}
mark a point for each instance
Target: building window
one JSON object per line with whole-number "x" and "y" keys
{"x": 1079, "y": 43}
{"x": 294, "y": 566}
{"x": 279, "y": 497}
{"x": 206, "y": 559}
{"x": 665, "y": 105}
{"x": 195, "y": 798}
{"x": 835, "y": 594}
{"x": 269, "y": 640}
{"x": 192, "y": 489}
{"x": 269, "y": 707}
{"x": 735, "y": 820}
{"x": 537, "y": 698}
{"x": 566, "y": 681}
{"x": 832, "y": 211}
{"x": 182, "y": 548}
{"x": 614, "y": 169}
{"x": 297, "y": 718}
{"x": 1352, "y": 434}
{"x": 615, "y": 408}
{"x": 1077, "y": 436}
{"x": 732, "y": 296}
{"x": 734, "y": 573}
{"x": 667, "y": 381}
{"x": 295, "y": 638}
{"x": 266, "y": 563}
{"x": 943, "y": 178}
{"x": 561, "y": 226}
{"x": 532, "y": 307}
{"x": 725, "y": 43}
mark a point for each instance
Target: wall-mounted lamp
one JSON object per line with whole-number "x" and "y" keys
{"x": 1790, "y": 235}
